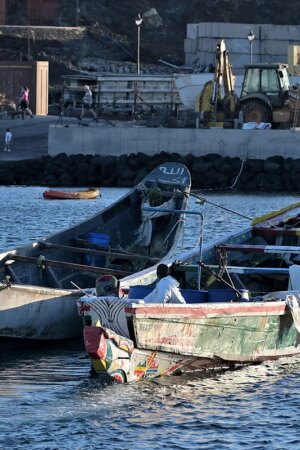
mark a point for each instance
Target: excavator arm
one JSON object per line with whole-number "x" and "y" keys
{"x": 223, "y": 77}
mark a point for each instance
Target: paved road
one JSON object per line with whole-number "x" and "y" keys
{"x": 30, "y": 136}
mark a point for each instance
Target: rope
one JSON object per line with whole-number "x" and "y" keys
{"x": 41, "y": 266}
{"x": 239, "y": 174}
{"x": 203, "y": 200}
{"x": 296, "y": 113}
{"x": 40, "y": 262}
{"x": 168, "y": 235}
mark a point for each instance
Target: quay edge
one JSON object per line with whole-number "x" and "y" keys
{"x": 106, "y": 140}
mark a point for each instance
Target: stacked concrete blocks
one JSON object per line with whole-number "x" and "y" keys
{"x": 270, "y": 44}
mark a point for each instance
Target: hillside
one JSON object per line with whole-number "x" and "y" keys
{"x": 110, "y": 39}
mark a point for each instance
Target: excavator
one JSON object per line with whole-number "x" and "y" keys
{"x": 267, "y": 95}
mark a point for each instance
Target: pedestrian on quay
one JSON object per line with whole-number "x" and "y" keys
{"x": 8, "y": 139}
{"x": 87, "y": 104}
{"x": 24, "y": 97}
{"x": 68, "y": 101}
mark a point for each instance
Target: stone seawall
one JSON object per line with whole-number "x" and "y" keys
{"x": 213, "y": 171}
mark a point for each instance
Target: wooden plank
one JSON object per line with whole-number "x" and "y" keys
{"x": 91, "y": 251}
{"x": 275, "y": 231}
{"x": 66, "y": 265}
{"x": 255, "y": 270}
{"x": 240, "y": 269}
{"x": 261, "y": 248}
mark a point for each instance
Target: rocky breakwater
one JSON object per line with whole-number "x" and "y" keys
{"x": 212, "y": 171}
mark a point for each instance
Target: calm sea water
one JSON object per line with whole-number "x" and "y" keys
{"x": 50, "y": 400}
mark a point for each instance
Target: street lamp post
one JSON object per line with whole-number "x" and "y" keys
{"x": 77, "y": 11}
{"x": 138, "y": 22}
{"x": 251, "y": 37}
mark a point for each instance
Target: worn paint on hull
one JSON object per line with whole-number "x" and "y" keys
{"x": 242, "y": 332}
{"x": 183, "y": 337}
{"x": 116, "y": 356}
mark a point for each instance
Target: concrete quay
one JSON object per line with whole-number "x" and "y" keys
{"x": 45, "y": 135}
{"x": 30, "y": 136}
{"x": 124, "y": 139}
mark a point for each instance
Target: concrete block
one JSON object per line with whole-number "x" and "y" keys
{"x": 275, "y": 47}
{"x": 280, "y": 32}
{"x": 239, "y": 60}
{"x": 233, "y": 45}
{"x": 204, "y": 29}
{"x": 267, "y": 58}
{"x": 191, "y": 45}
{"x": 189, "y": 59}
{"x": 224, "y": 30}
{"x": 192, "y": 31}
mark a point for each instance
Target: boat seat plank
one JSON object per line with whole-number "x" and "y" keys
{"x": 275, "y": 231}
{"x": 261, "y": 248}
{"x": 242, "y": 270}
{"x": 256, "y": 270}
{"x": 66, "y": 265}
{"x": 94, "y": 251}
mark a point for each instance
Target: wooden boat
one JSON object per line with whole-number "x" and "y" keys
{"x": 86, "y": 194}
{"x": 37, "y": 295}
{"x": 246, "y": 311}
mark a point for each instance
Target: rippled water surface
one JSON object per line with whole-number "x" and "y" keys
{"x": 50, "y": 400}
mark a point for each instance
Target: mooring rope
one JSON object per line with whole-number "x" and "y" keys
{"x": 239, "y": 174}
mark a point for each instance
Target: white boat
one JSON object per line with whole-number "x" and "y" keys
{"x": 190, "y": 86}
{"x": 38, "y": 293}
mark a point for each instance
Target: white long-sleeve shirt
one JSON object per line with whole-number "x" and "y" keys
{"x": 165, "y": 291}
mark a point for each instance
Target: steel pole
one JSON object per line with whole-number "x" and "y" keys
{"x": 179, "y": 211}
{"x": 138, "y": 49}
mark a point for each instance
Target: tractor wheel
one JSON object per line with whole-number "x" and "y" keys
{"x": 256, "y": 111}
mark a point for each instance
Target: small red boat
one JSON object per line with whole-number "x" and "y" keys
{"x": 86, "y": 194}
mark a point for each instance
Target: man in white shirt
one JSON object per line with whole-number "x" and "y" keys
{"x": 8, "y": 138}
{"x": 166, "y": 289}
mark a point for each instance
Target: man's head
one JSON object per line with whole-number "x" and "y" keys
{"x": 162, "y": 271}
{"x": 86, "y": 87}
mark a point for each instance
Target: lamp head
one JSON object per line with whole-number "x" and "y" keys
{"x": 251, "y": 36}
{"x": 138, "y": 20}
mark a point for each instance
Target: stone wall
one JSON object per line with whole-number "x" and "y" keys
{"x": 274, "y": 174}
{"x": 43, "y": 33}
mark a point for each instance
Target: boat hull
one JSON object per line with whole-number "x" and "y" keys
{"x": 37, "y": 302}
{"x": 173, "y": 338}
{"x": 38, "y": 314}
{"x": 248, "y": 313}
{"x": 88, "y": 194}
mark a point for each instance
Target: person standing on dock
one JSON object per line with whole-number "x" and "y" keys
{"x": 8, "y": 138}
{"x": 25, "y": 102}
{"x": 87, "y": 103}
{"x": 166, "y": 289}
